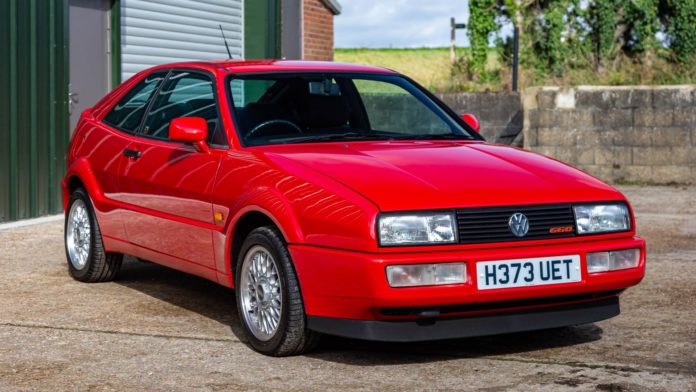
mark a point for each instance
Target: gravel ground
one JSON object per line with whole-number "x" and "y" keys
{"x": 158, "y": 329}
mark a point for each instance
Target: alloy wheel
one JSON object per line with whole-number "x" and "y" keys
{"x": 261, "y": 293}
{"x": 78, "y": 234}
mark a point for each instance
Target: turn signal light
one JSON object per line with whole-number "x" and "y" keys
{"x": 426, "y": 274}
{"x": 613, "y": 260}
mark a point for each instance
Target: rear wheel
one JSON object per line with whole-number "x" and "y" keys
{"x": 84, "y": 249}
{"x": 269, "y": 300}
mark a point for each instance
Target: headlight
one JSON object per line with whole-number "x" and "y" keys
{"x": 602, "y": 218}
{"x": 417, "y": 229}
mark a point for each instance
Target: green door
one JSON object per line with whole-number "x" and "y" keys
{"x": 261, "y": 29}
{"x": 33, "y": 106}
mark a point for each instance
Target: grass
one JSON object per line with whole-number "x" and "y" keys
{"x": 428, "y": 66}
{"x": 431, "y": 67}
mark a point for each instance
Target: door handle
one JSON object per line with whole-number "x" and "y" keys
{"x": 134, "y": 154}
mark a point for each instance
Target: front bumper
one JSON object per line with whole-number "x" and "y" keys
{"x": 339, "y": 284}
{"x": 461, "y": 327}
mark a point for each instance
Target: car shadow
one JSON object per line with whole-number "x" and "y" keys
{"x": 364, "y": 353}
{"x": 180, "y": 289}
{"x": 218, "y": 303}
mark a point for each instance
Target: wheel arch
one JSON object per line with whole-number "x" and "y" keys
{"x": 73, "y": 183}
{"x": 244, "y": 222}
{"x": 80, "y": 174}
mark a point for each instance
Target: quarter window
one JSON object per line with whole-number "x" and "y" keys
{"x": 184, "y": 94}
{"x": 128, "y": 112}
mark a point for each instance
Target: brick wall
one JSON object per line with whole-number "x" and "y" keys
{"x": 318, "y": 30}
{"x": 641, "y": 134}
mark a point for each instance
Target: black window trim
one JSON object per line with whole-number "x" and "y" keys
{"x": 437, "y": 101}
{"x": 166, "y": 72}
{"x": 139, "y": 132}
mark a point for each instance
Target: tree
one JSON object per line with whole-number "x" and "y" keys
{"x": 682, "y": 28}
{"x": 481, "y": 25}
{"x": 558, "y": 34}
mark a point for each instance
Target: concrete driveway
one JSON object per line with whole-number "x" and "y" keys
{"x": 158, "y": 329}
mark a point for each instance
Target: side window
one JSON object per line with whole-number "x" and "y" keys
{"x": 390, "y": 108}
{"x": 185, "y": 94}
{"x": 128, "y": 112}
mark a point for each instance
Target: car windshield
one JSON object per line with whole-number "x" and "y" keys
{"x": 284, "y": 108}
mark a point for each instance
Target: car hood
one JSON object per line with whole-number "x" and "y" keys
{"x": 421, "y": 175}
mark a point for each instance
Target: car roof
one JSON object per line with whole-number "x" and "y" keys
{"x": 242, "y": 66}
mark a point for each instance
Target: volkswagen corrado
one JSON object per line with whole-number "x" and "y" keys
{"x": 340, "y": 199}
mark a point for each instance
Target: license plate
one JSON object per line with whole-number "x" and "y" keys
{"x": 528, "y": 272}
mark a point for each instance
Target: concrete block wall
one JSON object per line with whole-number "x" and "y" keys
{"x": 500, "y": 114}
{"x": 619, "y": 134}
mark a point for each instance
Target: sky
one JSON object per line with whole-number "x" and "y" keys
{"x": 399, "y": 23}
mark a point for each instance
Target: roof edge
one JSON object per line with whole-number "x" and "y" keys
{"x": 333, "y": 5}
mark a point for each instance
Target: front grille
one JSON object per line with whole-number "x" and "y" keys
{"x": 490, "y": 224}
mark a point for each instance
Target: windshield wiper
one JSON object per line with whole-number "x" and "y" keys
{"x": 339, "y": 137}
{"x": 445, "y": 136}
{"x": 353, "y": 135}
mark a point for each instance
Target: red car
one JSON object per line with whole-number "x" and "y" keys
{"x": 340, "y": 199}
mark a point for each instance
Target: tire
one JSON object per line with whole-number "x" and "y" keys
{"x": 87, "y": 260}
{"x": 275, "y": 286}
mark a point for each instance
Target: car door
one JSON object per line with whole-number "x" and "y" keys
{"x": 103, "y": 145}
{"x": 169, "y": 184}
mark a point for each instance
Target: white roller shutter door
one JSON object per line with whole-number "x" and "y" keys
{"x": 163, "y": 31}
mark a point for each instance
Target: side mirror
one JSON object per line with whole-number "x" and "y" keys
{"x": 192, "y": 130}
{"x": 472, "y": 121}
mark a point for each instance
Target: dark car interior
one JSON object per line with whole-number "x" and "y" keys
{"x": 290, "y": 108}
{"x": 184, "y": 95}
{"x": 301, "y": 106}
{"x": 298, "y": 108}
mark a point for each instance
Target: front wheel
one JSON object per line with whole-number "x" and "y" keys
{"x": 84, "y": 249}
{"x": 269, "y": 300}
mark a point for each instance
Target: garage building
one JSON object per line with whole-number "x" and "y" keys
{"x": 58, "y": 57}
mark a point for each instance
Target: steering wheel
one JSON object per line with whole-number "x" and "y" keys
{"x": 274, "y": 122}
